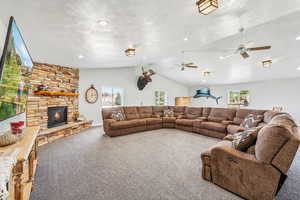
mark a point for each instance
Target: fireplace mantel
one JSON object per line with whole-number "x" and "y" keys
{"x": 49, "y": 93}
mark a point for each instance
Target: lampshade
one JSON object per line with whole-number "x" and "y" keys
{"x": 207, "y": 6}
{"x": 130, "y": 52}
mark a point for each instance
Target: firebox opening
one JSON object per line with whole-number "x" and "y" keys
{"x": 57, "y": 116}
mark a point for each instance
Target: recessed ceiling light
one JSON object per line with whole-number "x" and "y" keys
{"x": 80, "y": 56}
{"x": 103, "y": 22}
{"x": 186, "y": 39}
{"x": 222, "y": 57}
{"x": 204, "y": 81}
{"x": 298, "y": 68}
{"x": 298, "y": 38}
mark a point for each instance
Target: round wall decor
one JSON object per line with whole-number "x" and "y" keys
{"x": 91, "y": 95}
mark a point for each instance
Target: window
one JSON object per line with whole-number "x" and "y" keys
{"x": 161, "y": 98}
{"x": 111, "y": 96}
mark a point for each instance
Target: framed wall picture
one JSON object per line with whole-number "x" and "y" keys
{"x": 239, "y": 98}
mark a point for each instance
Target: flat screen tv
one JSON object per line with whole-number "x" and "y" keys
{"x": 15, "y": 66}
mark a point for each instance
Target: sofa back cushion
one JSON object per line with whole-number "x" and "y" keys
{"x": 220, "y": 114}
{"x": 145, "y": 111}
{"x": 206, "y": 111}
{"x": 178, "y": 110}
{"x": 268, "y": 115}
{"x": 193, "y": 112}
{"x": 270, "y": 140}
{"x": 241, "y": 114}
{"x": 159, "y": 110}
{"x": 106, "y": 112}
{"x": 131, "y": 112}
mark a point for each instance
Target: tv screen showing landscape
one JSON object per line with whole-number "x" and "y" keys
{"x": 15, "y": 66}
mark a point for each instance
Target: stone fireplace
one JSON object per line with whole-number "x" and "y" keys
{"x": 55, "y": 78}
{"x": 57, "y": 116}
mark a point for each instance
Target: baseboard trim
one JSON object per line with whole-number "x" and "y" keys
{"x": 97, "y": 125}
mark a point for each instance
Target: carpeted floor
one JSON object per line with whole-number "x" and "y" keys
{"x": 155, "y": 165}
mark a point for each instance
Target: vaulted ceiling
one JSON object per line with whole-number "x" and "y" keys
{"x": 69, "y": 32}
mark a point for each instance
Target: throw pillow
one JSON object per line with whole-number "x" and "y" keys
{"x": 252, "y": 121}
{"x": 168, "y": 113}
{"x": 117, "y": 115}
{"x": 243, "y": 140}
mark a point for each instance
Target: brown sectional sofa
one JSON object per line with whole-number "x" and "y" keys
{"x": 257, "y": 173}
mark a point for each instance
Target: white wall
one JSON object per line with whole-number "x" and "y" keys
{"x": 125, "y": 78}
{"x": 263, "y": 95}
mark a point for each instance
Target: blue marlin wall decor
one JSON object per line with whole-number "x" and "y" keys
{"x": 205, "y": 92}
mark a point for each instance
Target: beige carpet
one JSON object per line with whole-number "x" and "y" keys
{"x": 163, "y": 164}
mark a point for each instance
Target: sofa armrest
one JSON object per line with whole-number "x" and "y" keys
{"x": 243, "y": 174}
{"x": 202, "y": 118}
{"x": 155, "y": 116}
{"x": 180, "y": 116}
{"x": 239, "y": 156}
{"x": 225, "y": 122}
{"x": 106, "y": 124}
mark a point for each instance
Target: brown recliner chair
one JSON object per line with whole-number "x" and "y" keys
{"x": 185, "y": 122}
{"x": 215, "y": 124}
{"x": 254, "y": 176}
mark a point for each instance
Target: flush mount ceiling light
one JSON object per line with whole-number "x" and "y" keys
{"x": 130, "y": 52}
{"x": 298, "y": 68}
{"x": 298, "y": 38}
{"x": 267, "y": 63}
{"x": 80, "y": 56}
{"x": 185, "y": 39}
{"x": 207, "y": 6}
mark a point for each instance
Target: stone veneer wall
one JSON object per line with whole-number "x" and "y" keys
{"x": 56, "y": 78}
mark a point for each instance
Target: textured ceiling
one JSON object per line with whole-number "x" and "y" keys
{"x": 59, "y": 31}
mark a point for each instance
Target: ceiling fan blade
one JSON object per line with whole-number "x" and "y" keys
{"x": 245, "y": 55}
{"x": 259, "y": 48}
{"x": 186, "y": 64}
{"x": 191, "y": 66}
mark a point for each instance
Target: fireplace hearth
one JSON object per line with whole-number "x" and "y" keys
{"x": 57, "y": 116}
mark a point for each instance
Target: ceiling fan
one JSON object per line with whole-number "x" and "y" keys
{"x": 183, "y": 65}
{"x": 244, "y": 50}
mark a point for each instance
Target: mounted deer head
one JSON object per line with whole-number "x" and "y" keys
{"x": 145, "y": 78}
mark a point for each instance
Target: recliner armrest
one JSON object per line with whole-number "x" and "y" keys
{"x": 225, "y": 122}
{"x": 180, "y": 116}
{"x": 227, "y": 151}
{"x": 107, "y": 122}
{"x": 202, "y": 118}
{"x": 155, "y": 116}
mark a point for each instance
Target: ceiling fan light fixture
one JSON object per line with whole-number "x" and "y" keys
{"x": 207, "y": 6}
{"x": 206, "y": 73}
{"x": 130, "y": 52}
{"x": 267, "y": 63}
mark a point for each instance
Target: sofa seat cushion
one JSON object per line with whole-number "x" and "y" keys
{"x": 185, "y": 122}
{"x": 127, "y": 124}
{"x": 232, "y": 129}
{"x": 214, "y": 126}
{"x": 169, "y": 119}
{"x": 152, "y": 121}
